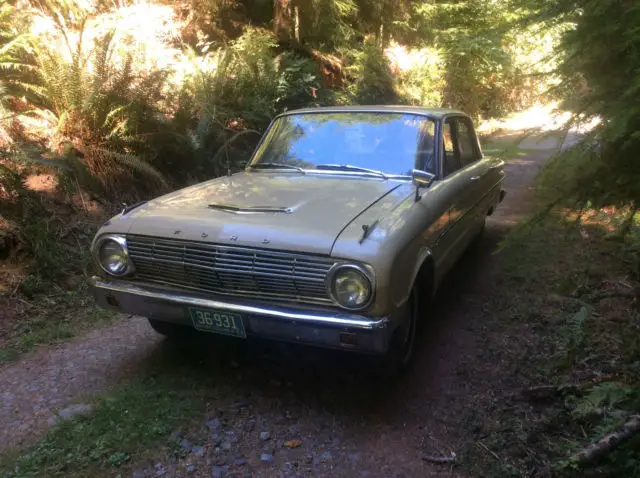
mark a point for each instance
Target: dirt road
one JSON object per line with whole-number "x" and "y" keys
{"x": 350, "y": 424}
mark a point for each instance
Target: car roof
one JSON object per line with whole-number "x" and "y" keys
{"x": 426, "y": 111}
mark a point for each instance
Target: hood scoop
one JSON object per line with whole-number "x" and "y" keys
{"x": 230, "y": 208}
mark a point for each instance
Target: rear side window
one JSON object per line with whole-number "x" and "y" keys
{"x": 466, "y": 142}
{"x": 451, "y": 157}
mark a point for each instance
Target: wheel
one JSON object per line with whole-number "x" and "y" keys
{"x": 169, "y": 329}
{"x": 403, "y": 342}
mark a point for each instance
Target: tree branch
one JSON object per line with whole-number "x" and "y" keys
{"x": 440, "y": 459}
{"x": 609, "y": 294}
{"x": 607, "y": 443}
{"x": 546, "y": 392}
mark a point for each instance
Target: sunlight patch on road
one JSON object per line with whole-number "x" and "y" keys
{"x": 540, "y": 117}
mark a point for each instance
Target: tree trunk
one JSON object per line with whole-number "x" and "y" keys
{"x": 296, "y": 19}
{"x": 282, "y": 20}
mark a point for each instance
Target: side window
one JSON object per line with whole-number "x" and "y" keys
{"x": 451, "y": 160}
{"x": 426, "y": 150}
{"x": 466, "y": 143}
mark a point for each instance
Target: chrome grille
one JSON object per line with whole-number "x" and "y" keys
{"x": 202, "y": 267}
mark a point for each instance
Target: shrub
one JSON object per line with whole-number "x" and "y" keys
{"x": 102, "y": 108}
{"x": 598, "y": 68}
{"x": 231, "y": 95}
{"x": 419, "y": 75}
{"x": 374, "y": 82}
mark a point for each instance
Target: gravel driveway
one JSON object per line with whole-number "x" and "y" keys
{"x": 358, "y": 427}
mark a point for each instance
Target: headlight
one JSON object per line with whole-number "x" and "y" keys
{"x": 112, "y": 255}
{"x": 350, "y": 286}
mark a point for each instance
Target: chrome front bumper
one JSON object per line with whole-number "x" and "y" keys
{"x": 311, "y": 326}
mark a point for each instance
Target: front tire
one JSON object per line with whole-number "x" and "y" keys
{"x": 403, "y": 342}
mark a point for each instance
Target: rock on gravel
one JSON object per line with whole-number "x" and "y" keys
{"x": 218, "y": 471}
{"x": 266, "y": 457}
{"x": 198, "y": 450}
{"x": 264, "y": 436}
{"x": 216, "y": 439}
{"x": 326, "y": 456}
{"x": 71, "y": 411}
{"x": 160, "y": 469}
{"x": 214, "y": 424}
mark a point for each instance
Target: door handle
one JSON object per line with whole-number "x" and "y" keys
{"x": 474, "y": 178}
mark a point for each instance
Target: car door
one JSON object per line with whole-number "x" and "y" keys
{"x": 475, "y": 173}
{"x": 461, "y": 178}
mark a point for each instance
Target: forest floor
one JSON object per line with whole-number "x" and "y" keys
{"x": 122, "y": 401}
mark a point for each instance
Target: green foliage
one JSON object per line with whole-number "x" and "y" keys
{"x": 597, "y": 63}
{"x": 374, "y": 82}
{"x": 13, "y": 23}
{"x": 577, "y": 325}
{"x": 480, "y": 70}
{"x": 299, "y": 83}
{"x": 140, "y": 415}
{"x": 236, "y": 88}
{"x": 601, "y": 399}
{"x": 239, "y": 89}
{"x": 423, "y": 83}
{"x": 330, "y": 22}
{"x": 605, "y": 56}
{"x": 103, "y": 108}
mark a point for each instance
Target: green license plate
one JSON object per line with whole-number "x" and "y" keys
{"x": 218, "y": 322}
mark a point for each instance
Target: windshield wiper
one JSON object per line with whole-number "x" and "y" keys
{"x": 349, "y": 167}
{"x": 276, "y": 166}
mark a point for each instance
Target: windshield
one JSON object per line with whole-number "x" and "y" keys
{"x": 369, "y": 143}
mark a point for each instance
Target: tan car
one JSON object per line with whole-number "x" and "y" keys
{"x": 343, "y": 223}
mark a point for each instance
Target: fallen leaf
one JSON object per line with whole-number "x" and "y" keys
{"x": 293, "y": 443}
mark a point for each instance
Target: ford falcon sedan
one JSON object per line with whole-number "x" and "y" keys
{"x": 338, "y": 231}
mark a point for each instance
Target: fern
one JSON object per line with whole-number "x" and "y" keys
{"x": 133, "y": 163}
{"x": 576, "y": 326}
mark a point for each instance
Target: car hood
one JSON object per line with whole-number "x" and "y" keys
{"x": 285, "y": 211}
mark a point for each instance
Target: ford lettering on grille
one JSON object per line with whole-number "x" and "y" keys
{"x": 198, "y": 266}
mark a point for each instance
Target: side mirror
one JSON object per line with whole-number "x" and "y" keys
{"x": 421, "y": 179}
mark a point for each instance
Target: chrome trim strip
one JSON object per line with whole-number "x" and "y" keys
{"x": 231, "y": 248}
{"x": 195, "y": 266}
{"x": 240, "y": 294}
{"x": 250, "y": 210}
{"x": 337, "y": 320}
